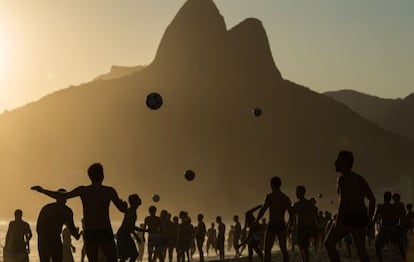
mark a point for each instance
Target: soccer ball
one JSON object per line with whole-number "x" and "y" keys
{"x": 155, "y": 198}
{"x": 257, "y": 112}
{"x": 189, "y": 175}
{"x": 154, "y": 101}
{"x": 319, "y": 195}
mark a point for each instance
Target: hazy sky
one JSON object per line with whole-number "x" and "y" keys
{"x": 47, "y": 45}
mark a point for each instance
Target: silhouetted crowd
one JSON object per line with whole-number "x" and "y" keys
{"x": 355, "y": 225}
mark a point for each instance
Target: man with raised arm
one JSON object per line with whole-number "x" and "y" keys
{"x": 352, "y": 213}
{"x": 95, "y": 200}
{"x": 278, "y": 204}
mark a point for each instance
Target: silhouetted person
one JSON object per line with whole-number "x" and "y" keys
{"x": 278, "y": 204}
{"x": 185, "y": 237}
{"x": 96, "y": 199}
{"x": 200, "y": 236}
{"x": 230, "y": 238}
{"x": 153, "y": 226}
{"x": 211, "y": 238}
{"x": 173, "y": 235}
{"x": 389, "y": 218}
{"x": 49, "y": 225}
{"x": 254, "y": 236}
{"x": 67, "y": 247}
{"x": 18, "y": 237}
{"x": 352, "y": 213}
{"x": 304, "y": 216}
{"x": 236, "y": 234}
{"x": 125, "y": 243}
{"x": 220, "y": 237}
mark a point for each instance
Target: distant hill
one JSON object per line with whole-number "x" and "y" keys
{"x": 119, "y": 71}
{"x": 396, "y": 115}
{"x": 210, "y": 79}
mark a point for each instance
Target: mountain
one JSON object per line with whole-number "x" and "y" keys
{"x": 210, "y": 78}
{"x": 395, "y": 115}
{"x": 118, "y": 72}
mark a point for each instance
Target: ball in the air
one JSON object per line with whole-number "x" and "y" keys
{"x": 257, "y": 112}
{"x": 189, "y": 175}
{"x": 154, "y": 101}
{"x": 155, "y": 198}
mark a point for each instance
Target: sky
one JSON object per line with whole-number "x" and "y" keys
{"x": 47, "y": 45}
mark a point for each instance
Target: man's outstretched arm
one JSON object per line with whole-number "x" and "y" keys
{"x": 57, "y": 195}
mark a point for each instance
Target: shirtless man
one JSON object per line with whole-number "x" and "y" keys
{"x": 211, "y": 238}
{"x": 304, "y": 218}
{"x": 236, "y": 235}
{"x": 51, "y": 219}
{"x": 96, "y": 199}
{"x": 277, "y": 203}
{"x": 153, "y": 225}
{"x": 200, "y": 236}
{"x": 388, "y": 218}
{"x": 352, "y": 213}
{"x": 220, "y": 237}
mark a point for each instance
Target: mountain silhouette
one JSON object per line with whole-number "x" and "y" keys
{"x": 211, "y": 79}
{"x": 118, "y": 72}
{"x": 395, "y": 115}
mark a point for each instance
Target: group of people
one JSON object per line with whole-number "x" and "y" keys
{"x": 165, "y": 233}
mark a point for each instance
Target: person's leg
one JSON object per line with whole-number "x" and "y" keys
{"x": 282, "y": 244}
{"x": 358, "y": 235}
{"x": 109, "y": 250}
{"x": 91, "y": 249}
{"x": 200, "y": 243}
{"x": 334, "y": 235}
{"x": 268, "y": 245}
{"x": 56, "y": 252}
{"x": 250, "y": 249}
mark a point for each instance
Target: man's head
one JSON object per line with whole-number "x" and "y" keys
{"x": 344, "y": 162}
{"x": 175, "y": 219}
{"x": 18, "y": 214}
{"x": 396, "y": 197}
{"x": 95, "y": 173}
{"x": 200, "y": 217}
{"x": 134, "y": 200}
{"x": 275, "y": 183}
{"x": 61, "y": 200}
{"x": 387, "y": 197}
{"x": 212, "y": 225}
{"x": 300, "y": 192}
{"x": 218, "y": 219}
{"x": 152, "y": 210}
{"x": 236, "y": 218}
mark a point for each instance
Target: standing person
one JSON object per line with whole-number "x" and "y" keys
{"x": 410, "y": 218}
{"x": 173, "y": 233}
{"x": 153, "y": 226}
{"x": 230, "y": 238}
{"x": 96, "y": 199}
{"x": 236, "y": 235}
{"x": 220, "y": 237}
{"x": 49, "y": 228}
{"x": 389, "y": 218}
{"x": 212, "y": 238}
{"x": 278, "y": 204}
{"x": 352, "y": 213}
{"x": 17, "y": 247}
{"x": 200, "y": 236}
{"x": 304, "y": 217}
{"x": 67, "y": 246}
{"x": 125, "y": 243}
{"x": 185, "y": 237}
